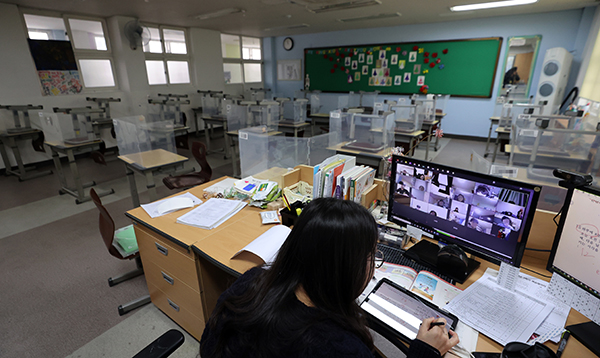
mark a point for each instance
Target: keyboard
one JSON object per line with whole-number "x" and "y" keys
{"x": 396, "y": 256}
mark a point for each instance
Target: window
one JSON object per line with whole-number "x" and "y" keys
{"x": 242, "y": 59}
{"x": 167, "y": 59}
{"x": 88, "y": 40}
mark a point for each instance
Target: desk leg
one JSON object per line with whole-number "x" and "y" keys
{"x": 196, "y": 122}
{"x": 495, "y": 148}
{"x": 428, "y": 143}
{"x": 207, "y": 137}
{"x": 151, "y": 186}
{"x": 135, "y": 198}
{"x": 312, "y": 127}
{"x": 234, "y": 159}
{"x": 487, "y": 142}
{"x": 5, "y": 159}
{"x": 59, "y": 172}
{"x": 80, "y": 197}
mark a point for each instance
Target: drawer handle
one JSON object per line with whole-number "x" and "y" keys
{"x": 163, "y": 250}
{"x": 173, "y": 305}
{"x": 168, "y": 278}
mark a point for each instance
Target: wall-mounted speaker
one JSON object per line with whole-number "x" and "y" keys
{"x": 553, "y": 80}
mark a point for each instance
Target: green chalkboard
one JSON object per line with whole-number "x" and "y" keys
{"x": 464, "y": 68}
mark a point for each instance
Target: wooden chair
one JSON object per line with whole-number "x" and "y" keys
{"x": 192, "y": 179}
{"x": 107, "y": 231}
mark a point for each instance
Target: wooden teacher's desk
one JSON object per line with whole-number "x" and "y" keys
{"x": 187, "y": 268}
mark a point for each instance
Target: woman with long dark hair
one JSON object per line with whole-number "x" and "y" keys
{"x": 304, "y": 305}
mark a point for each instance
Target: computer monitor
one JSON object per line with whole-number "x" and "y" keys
{"x": 575, "y": 257}
{"x": 487, "y": 216}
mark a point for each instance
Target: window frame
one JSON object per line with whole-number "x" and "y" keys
{"x": 166, "y": 57}
{"x": 80, "y": 54}
{"x": 241, "y": 61}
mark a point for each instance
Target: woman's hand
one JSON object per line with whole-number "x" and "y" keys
{"x": 437, "y": 336}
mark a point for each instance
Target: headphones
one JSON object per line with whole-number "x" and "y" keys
{"x": 522, "y": 350}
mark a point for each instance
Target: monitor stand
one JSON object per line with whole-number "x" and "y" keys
{"x": 425, "y": 252}
{"x": 587, "y": 333}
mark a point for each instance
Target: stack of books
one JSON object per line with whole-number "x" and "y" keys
{"x": 339, "y": 177}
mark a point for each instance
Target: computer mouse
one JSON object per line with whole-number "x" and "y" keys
{"x": 453, "y": 260}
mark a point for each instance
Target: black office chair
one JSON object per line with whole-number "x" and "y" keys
{"x": 107, "y": 231}
{"x": 163, "y": 346}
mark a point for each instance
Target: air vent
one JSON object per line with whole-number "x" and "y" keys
{"x": 344, "y": 6}
{"x": 371, "y": 17}
{"x": 292, "y": 27}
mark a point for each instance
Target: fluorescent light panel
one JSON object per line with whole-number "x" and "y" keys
{"x": 491, "y": 5}
{"x": 345, "y": 6}
{"x": 291, "y": 27}
{"x": 371, "y": 17}
{"x": 220, "y": 13}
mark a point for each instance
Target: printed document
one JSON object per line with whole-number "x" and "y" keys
{"x": 212, "y": 213}
{"x": 267, "y": 245}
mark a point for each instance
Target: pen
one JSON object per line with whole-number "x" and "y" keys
{"x": 563, "y": 342}
{"x": 433, "y": 324}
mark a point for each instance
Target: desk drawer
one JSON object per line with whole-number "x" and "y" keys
{"x": 166, "y": 256}
{"x": 178, "y": 291}
{"x": 187, "y": 320}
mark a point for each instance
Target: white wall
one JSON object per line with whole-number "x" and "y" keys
{"x": 20, "y": 84}
{"x": 466, "y": 116}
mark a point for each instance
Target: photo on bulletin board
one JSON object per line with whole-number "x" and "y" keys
{"x": 289, "y": 70}
{"x": 441, "y": 67}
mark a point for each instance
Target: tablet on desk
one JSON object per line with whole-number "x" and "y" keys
{"x": 400, "y": 311}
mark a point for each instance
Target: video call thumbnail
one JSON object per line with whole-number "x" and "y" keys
{"x": 478, "y": 206}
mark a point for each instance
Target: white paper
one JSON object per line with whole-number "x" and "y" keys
{"x": 507, "y": 276}
{"x": 502, "y": 315}
{"x": 221, "y": 186}
{"x": 153, "y": 208}
{"x": 267, "y": 245}
{"x": 415, "y": 232}
{"x": 212, "y": 213}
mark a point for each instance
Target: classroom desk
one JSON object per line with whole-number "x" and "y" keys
{"x": 70, "y": 150}
{"x": 147, "y": 164}
{"x": 502, "y": 133}
{"x": 428, "y": 128}
{"x": 210, "y": 121}
{"x": 11, "y": 140}
{"x": 230, "y": 138}
{"x": 412, "y": 136}
{"x": 187, "y": 268}
{"x": 316, "y": 119}
{"x": 581, "y": 161}
{"x": 372, "y": 159}
{"x": 291, "y": 125}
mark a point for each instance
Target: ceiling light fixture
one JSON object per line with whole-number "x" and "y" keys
{"x": 491, "y": 5}
{"x": 220, "y": 13}
{"x": 291, "y": 27}
{"x": 345, "y": 6}
{"x": 371, "y": 17}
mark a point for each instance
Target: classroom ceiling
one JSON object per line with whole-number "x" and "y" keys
{"x": 265, "y": 18}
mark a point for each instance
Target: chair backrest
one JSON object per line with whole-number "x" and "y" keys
{"x": 199, "y": 152}
{"x": 107, "y": 225}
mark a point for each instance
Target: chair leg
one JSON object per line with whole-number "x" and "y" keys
{"x": 130, "y": 306}
{"x": 129, "y": 275}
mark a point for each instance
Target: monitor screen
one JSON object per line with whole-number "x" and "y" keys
{"x": 576, "y": 251}
{"x": 485, "y": 215}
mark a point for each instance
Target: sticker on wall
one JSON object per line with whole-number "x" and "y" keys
{"x": 420, "y": 80}
{"x": 401, "y": 64}
{"x": 426, "y": 60}
{"x": 425, "y": 71}
{"x": 357, "y": 76}
{"x": 365, "y": 70}
{"x": 386, "y": 72}
{"x": 369, "y": 59}
{"x": 382, "y": 81}
{"x": 417, "y": 69}
{"x": 384, "y": 63}
{"x": 350, "y": 79}
{"x": 394, "y": 60}
{"x": 371, "y": 81}
{"x": 421, "y": 50}
{"x": 347, "y": 61}
{"x": 361, "y": 57}
{"x": 355, "y": 65}
{"x": 406, "y": 77}
{"x": 374, "y": 72}
{"x": 388, "y": 81}
{"x": 397, "y": 80}
{"x": 378, "y": 63}
{"x": 412, "y": 57}
{"x": 381, "y": 54}
{"x": 404, "y": 53}
{"x": 432, "y": 65}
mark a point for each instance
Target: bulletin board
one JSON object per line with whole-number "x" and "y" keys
{"x": 56, "y": 67}
{"x": 462, "y": 68}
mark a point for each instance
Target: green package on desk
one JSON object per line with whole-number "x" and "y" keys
{"x": 125, "y": 237}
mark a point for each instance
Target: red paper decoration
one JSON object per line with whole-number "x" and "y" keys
{"x": 426, "y": 54}
{"x": 432, "y": 65}
{"x": 343, "y": 68}
{"x": 343, "y": 55}
{"x": 415, "y": 48}
{"x": 332, "y": 70}
{"x": 445, "y": 51}
{"x": 438, "y": 60}
{"x": 434, "y": 54}
{"x": 337, "y": 53}
{"x": 426, "y": 60}
{"x": 335, "y": 66}
{"x": 331, "y": 59}
{"x": 325, "y": 56}
{"x": 398, "y": 49}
